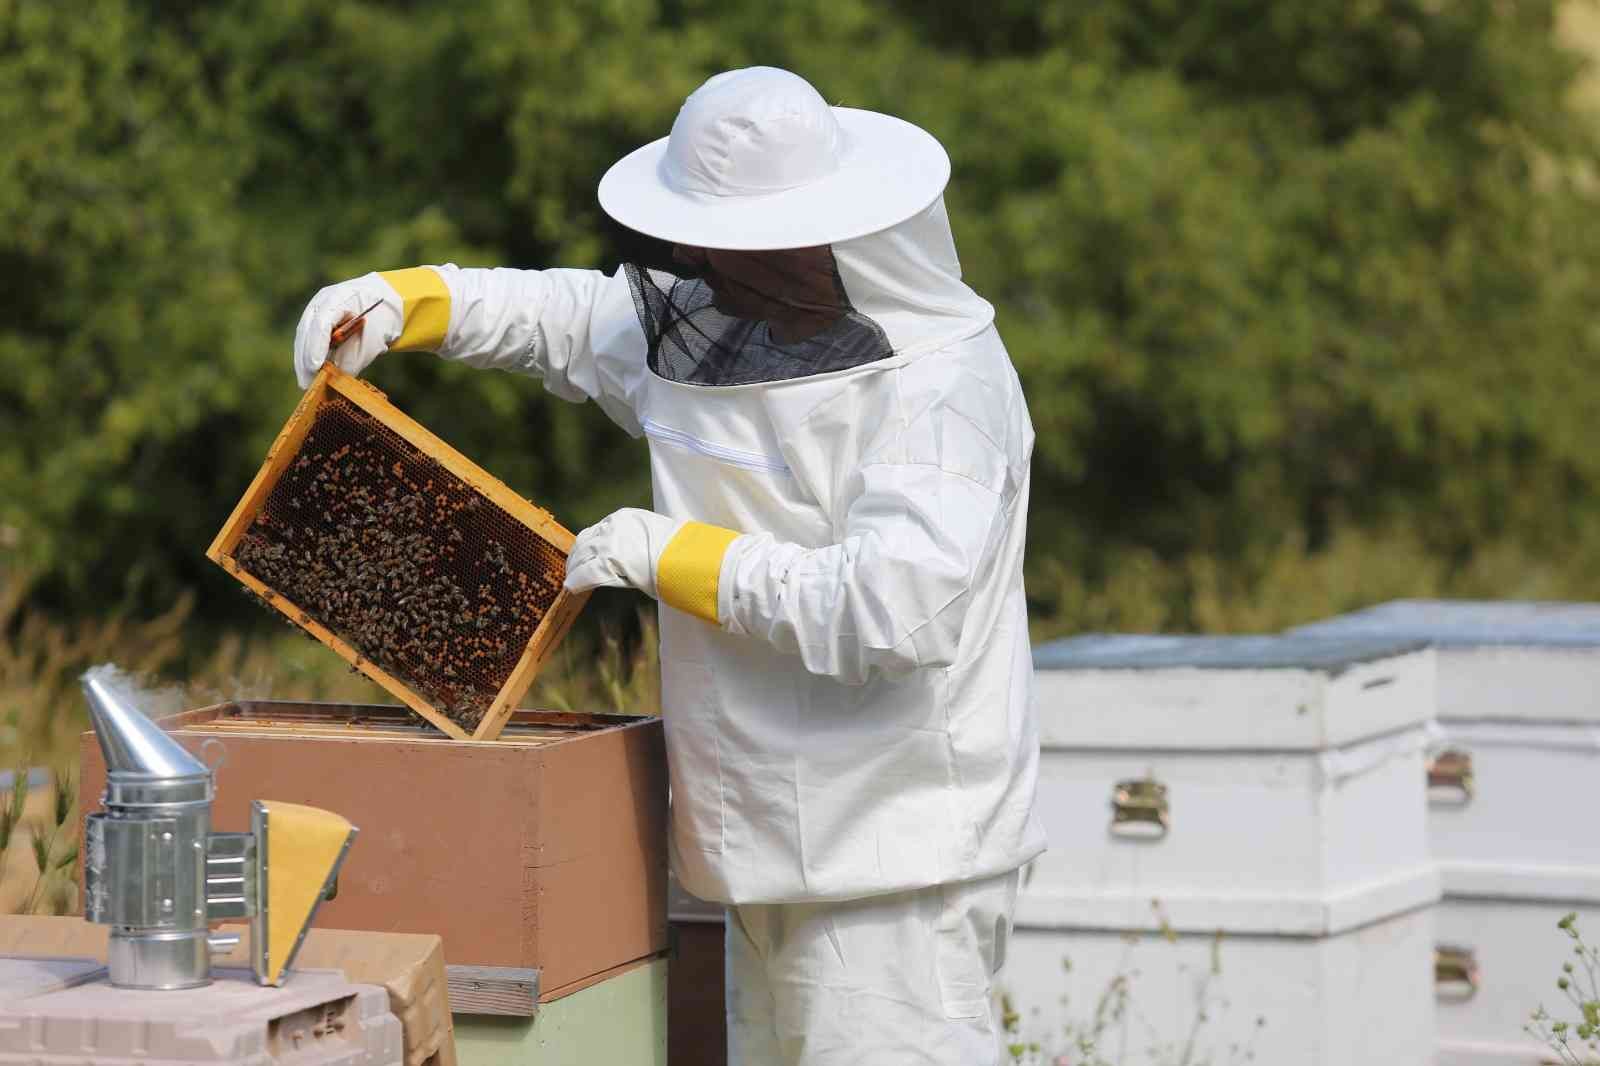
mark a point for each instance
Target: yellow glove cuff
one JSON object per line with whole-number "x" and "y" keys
{"x": 426, "y": 315}
{"x": 690, "y": 567}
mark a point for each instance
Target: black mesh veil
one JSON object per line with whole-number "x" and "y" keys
{"x": 813, "y": 328}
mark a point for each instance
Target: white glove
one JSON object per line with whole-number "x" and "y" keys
{"x": 621, "y": 551}
{"x": 381, "y": 327}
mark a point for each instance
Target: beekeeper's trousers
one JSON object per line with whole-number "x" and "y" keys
{"x": 887, "y": 980}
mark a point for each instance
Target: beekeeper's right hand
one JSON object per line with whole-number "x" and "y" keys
{"x": 412, "y": 314}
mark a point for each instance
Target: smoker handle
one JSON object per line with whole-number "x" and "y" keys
{"x": 231, "y": 888}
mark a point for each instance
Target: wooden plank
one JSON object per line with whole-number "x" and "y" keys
{"x": 598, "y": 978}
{"x": 356, "y": 733}
{"x": 552, "y": 628}
{"x": 372, "y": 400}
{"x": 353, "y": 730}
{"x": 26, "y": 976}
{"x": 282, "y": 451}
{"x": 504, "y": 990}
{"x": 526, "y": 722}
{"x": 312, "y": 729}
{"x": 391, "y": 685}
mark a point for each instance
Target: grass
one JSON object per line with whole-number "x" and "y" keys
{"x": 39, "y": 846}
{"x": 1115, "y": 1023}
{"x": 1579, "y": 23}
{"x": 1288, "y": 585}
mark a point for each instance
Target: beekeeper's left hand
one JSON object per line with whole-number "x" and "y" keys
{"x": 621, "y": 551}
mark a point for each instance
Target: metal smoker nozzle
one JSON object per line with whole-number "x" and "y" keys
{"x": 131, "y": 742}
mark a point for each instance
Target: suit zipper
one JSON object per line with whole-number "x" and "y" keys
{"x": 733, "y": 456}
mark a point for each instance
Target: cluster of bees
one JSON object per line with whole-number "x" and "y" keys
{"x": 399, "y": 558}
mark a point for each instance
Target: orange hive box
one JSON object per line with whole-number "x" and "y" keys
{"x": 413, "y": 563}
{"x": 540, "y": 859}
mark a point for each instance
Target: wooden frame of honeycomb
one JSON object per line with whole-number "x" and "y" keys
{"x": 485, "y": 495}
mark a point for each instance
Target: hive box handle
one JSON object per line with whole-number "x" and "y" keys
{"x": 1139, "y": 809}
{"x": 1455, "y": 970}
{"x": 1451, "y": 771}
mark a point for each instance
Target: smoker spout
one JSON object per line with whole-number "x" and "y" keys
{"x": 131, "y": 742}
{"x": 145, "y": 855}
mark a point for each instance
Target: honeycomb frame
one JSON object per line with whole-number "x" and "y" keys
{"x": 331, "y": 384}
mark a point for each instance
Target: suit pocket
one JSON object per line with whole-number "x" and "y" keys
{"x": 973, "y": 933}
{"x": 963, "y": 970}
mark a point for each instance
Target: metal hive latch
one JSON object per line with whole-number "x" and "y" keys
{"x": 1139, "y": 809}
{"x": 1451, "y": 771}
{"x": 1455, "y": 971}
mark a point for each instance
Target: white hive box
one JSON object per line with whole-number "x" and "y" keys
{"x": 1270, "y": 788}
{"x": 1510, "y": 821}
{"x": 1360, "y": 998}
{"x": 1519, "y": 695}
{"x": 1515, "y": 952}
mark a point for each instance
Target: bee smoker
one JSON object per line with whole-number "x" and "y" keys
{"x": 156, "y": 873}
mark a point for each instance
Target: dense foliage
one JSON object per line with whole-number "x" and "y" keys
{"x": 1302, "y": 282}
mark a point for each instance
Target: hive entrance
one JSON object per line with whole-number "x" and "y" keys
{"x": 384, "y": 543}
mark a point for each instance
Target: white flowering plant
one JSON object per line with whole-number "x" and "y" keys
{"x": 1576, "y": 1040}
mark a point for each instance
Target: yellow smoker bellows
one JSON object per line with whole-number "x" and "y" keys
{"x": 300, "y": 850}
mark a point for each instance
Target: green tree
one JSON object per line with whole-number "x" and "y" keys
{"x": 1278, "y": 277}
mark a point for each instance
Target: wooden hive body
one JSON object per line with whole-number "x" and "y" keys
{"x": 415, "y": 565}
{"x": 543, "y": 851}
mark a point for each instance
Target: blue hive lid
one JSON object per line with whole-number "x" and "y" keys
{"x": 1471, "y": 623}
{"x": 1329, "y": 653}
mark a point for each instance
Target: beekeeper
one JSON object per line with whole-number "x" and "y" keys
{"x": 839, "y": 449}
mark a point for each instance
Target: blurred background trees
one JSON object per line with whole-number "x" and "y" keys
{"x": 1303, "y": 295}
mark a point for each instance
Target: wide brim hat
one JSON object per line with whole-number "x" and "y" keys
{"x": 757, "y": 160}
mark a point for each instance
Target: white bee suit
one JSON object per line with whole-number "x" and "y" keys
{"x": 837, "y": 548}
{"x": 860, "y": 722}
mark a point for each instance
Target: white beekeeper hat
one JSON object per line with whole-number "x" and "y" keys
{"x": 758, "y": 160}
